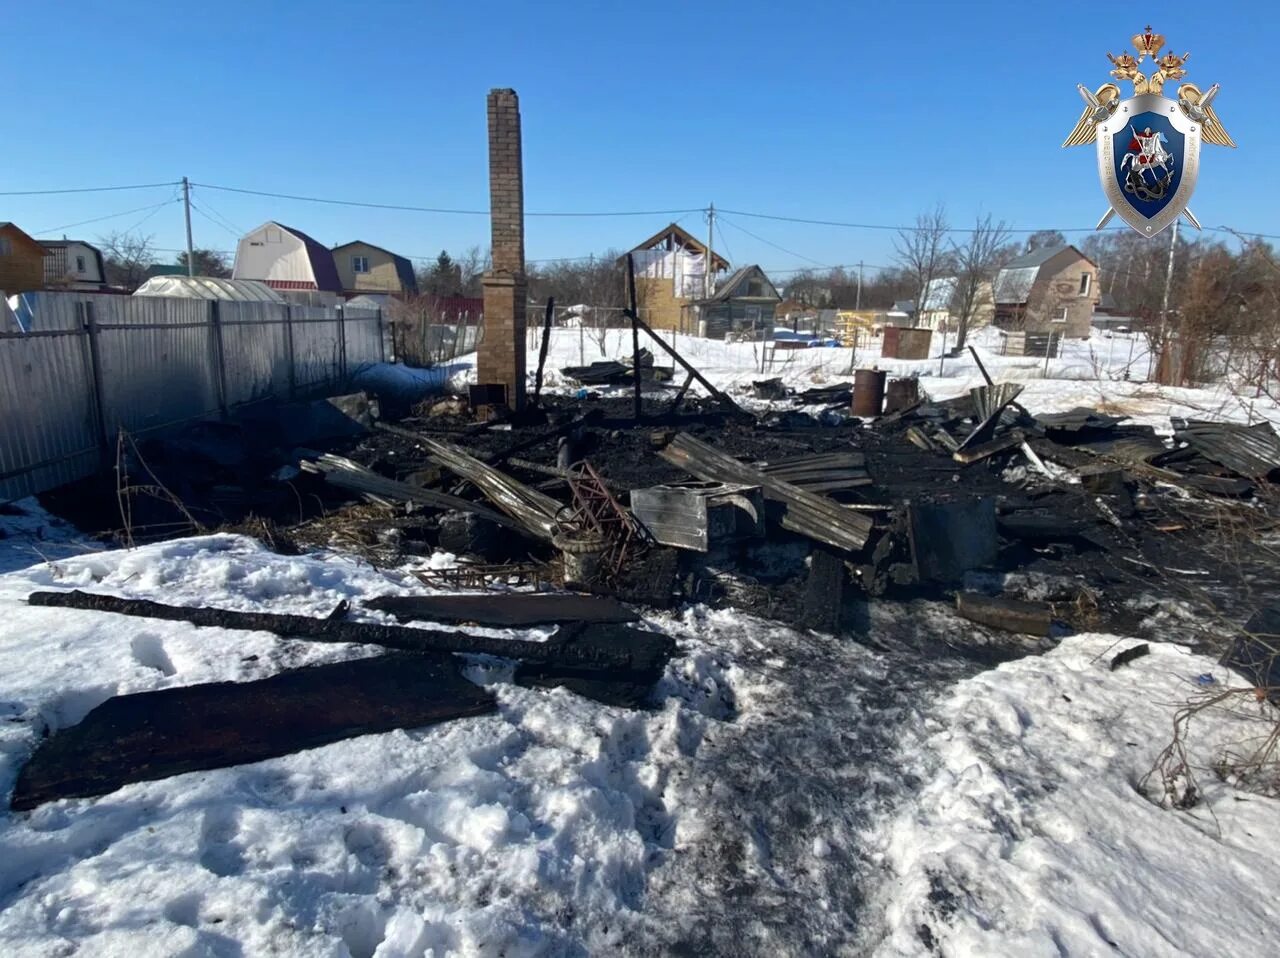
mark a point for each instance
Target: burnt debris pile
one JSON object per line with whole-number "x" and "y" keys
{"x": 578, "y": 512}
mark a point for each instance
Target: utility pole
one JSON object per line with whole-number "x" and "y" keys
{"x": 186, "y": 203}
{"x": 711, "y": 230}
{"x": 1164, "y": 305}
{"x": 858, "y": 301}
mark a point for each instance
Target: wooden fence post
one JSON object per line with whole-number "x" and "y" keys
{"x": 342, "y": 346}
{"x": 89, "y": 328}
{"x": 216, "y": 355}
{"x": 288, "y": 339}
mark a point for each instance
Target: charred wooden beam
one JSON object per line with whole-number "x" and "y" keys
{"x": 503, "y": 608}
{"x": 1011, "y": 615}
{"x": 587, "y": 646}
{"x": 153, "y": 735}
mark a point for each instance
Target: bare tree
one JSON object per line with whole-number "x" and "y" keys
{"x": 1044, "y": 239}
{"x": 976, "y": 263}
{"x": 922, "y": 251}
{"x": 472, "y": 266}
{"x": 126, "y": 257}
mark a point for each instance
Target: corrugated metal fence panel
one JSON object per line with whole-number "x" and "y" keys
{"x": 156, "y": 360}
{"x": 47, "y": 435}
{"x": 158, "y": 363}
{"x": 255, "y": 350}
{"x": 364, "y": 336}
{"x": 317, "y": 355}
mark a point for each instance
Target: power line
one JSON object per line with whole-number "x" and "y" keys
{"x": 430, "y": 209}
{"x": 109, "y": 216}
{"x": 214, "y": 222}
{"x": 781, "y": 249}
{"x": 88, "y": 189}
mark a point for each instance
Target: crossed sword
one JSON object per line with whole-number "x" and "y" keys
{"x": 1100, "y": 112}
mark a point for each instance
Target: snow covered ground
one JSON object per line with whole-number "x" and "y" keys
{"x": 790, "y": 793}
{"x": 1032, "y": 835}
{"x": 1107, "y": 371}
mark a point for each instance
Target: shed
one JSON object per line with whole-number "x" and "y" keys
{"x": 745, "y": 303}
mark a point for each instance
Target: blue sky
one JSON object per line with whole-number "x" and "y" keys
{"x": 854, "y": 112}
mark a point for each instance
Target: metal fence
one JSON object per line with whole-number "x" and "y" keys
{"x": 93, "y": 364}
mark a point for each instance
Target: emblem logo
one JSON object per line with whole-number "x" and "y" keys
{"x": 1148, "y": 145}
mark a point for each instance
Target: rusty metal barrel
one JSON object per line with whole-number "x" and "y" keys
{"x": 901, "y": 394}
{"x": 868, "y": 392}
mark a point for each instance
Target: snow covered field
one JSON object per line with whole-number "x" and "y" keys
{"x": 790, "y": 793}
{"x": 1107, "y": 371}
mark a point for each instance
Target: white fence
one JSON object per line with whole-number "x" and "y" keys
{"x": 94, "y": 364}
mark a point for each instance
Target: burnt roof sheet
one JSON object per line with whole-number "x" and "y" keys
{"x": 1252, "y": 451}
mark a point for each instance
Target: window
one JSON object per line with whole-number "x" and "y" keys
{"x": 359, "y": 264}
{"x": 80, "y": 265}
{"x": 1085, "y": 279}
{"x": 5, "y": 247}
{"x": 1063, "y": 317}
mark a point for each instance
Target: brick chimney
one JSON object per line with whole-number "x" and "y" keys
{"x": 502, "y": 353}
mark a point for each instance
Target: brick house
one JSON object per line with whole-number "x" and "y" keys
{"x": 365, "y": 268}
{"x": 671, "y": 275}
{"x": 1049, "y": 290}
{"x": 21, "y": 261}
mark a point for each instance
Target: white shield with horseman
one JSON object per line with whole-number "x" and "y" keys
{"x": 1148, "y": 159}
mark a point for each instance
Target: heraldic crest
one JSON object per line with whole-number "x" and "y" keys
{"x": 1148, "y": 145}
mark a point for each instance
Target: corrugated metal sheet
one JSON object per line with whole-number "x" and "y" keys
{"x": 159, "y": 365}
{"x": 1251, "y": 451}
{"x": 47, "y": 434}
{"x": 317, "y": 348}
{"x": 1014, "y": 285}
{"x": 157, "y": 362}
{"x": 255, "y": 349}
{"x": 363, "y": 332}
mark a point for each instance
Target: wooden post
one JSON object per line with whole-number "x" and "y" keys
{"x": 288, "y": 339}
{"x": 216, "y": 356}
{"x": 542, "y": 352}
{"x": 635, "y": 331}
{"x": 90, "y": 330}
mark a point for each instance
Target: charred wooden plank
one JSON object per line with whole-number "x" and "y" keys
{"x": 588, "y": 646}
{"x": 153, "y": 735}
{"x": 503, "y": 608}
{"x": 1012, "y": 615}
{"x": 1128, "y": 655}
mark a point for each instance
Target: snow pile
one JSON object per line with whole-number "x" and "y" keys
{"x": 529, "y": 831}
{"x": 1031, "y": 836}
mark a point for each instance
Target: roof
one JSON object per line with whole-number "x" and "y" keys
{"x": 1013, "y": 283}
{"x": 724, "y": 289}
{"x": 166, "y": 269}
{"x": 686, "y": 239}
{"x": 210, "y": 288}
{"x": 322, "y": 266}
{"x": 22, "y": 234}
{"x": 903, "y": 306}
{"x": 404, "y": 269}
{"x": 939, "y": 293}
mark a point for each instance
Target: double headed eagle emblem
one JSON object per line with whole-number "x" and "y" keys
{"x": 1148, "y": 145}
